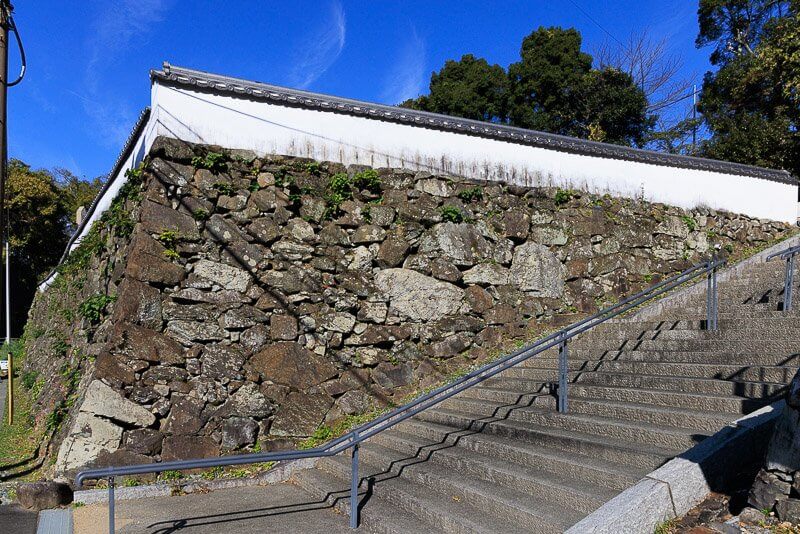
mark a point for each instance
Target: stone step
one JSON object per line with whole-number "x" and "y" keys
{"x": 448, "y": 444}
{"x": 707, "y": 386}
{"x": 635, "y": 456}
{"x": 767, "y": 332}
{"x": 729, "y": 404}
{"x": 539, "y": 485}
{"x": 492, "y": 508}
{"x": 589, "y": 358}
{"x": 708, "y": 343}
{"x": 663, "y": 435}
{"x": 377, "y": 514}
{"x": 625, "y": 328}
{"x": 748, "y": 373}
{"x": 622, "y": 411}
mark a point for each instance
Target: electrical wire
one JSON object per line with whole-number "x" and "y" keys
{"x": 675, "y": 101}
{"x": 12, "y": 26}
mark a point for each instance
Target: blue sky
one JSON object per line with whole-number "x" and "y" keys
{"x": 88, "y": 61}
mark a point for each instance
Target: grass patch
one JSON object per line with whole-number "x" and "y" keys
{"x": 19, "y": 441}
{"x": 668, "y": 526}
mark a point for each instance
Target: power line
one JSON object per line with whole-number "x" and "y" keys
{"x": 588, "y": 16}
{"x": 675, "y": 101}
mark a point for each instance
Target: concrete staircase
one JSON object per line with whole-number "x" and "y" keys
{"x": 500, "y": 458}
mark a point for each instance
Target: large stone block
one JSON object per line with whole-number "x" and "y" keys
{"x": 227, "y": 276}
{"x": 418, "y": 297}
{"x": 538, "y": 271}
{"x": 301, "y": 414}
{"x": 291, "y": 365}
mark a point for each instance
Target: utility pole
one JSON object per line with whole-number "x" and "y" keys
{"x": 5, "y": 22}
{"x": 694, "y": 118}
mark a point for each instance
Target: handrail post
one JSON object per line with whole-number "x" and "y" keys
{"x": 711, "y": 295}
{"x": 111, "y": 505}
{"x": 715, "y": 318}
{"x": 563, "y": 356}
{"x": 354, "y": 484}
{"x": 787, "y": 290}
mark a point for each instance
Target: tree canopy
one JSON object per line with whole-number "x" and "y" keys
{"x": 553, "y": 88}
{"x": 751, "y": 104}
{"x": 41, "y": 209}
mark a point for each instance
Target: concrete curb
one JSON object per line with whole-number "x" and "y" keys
{"x": 676, "y": 487}
{"x": 279, "y": 473}
{"x": 55, "y": 521}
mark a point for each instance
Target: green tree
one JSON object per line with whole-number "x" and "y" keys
{"x": 76, "y": 192}
{"x": 552, "y": 88}
{"x": 750, "y": 104}
{"x": 38, "y": 233}
{"x": 546, "y": 81}
{"x": 469, "y": 88}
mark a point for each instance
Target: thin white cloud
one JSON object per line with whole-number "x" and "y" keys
{"x": 407, "y": 77}
{"x": 322, "y": 47}
{"x": 116, "y": 27}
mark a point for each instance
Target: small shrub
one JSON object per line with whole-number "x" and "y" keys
{"x": 690, "y": 223}
{"x": 94, "y": 307}
{"x": 367, "y": 179}
{"x": 200, "y": 214}
{"x": 340, "y": 188}
{"x": 283, "y": 179}
{"x": 168, "y": 238}
{"x": 224, "y": 188}
{"x": 471, "y": 194}
{"x": 213, "y": 161}
{"x": 312, "y": 167}
{"x": 452, "y": 214}
{"x": 563, "y": 196}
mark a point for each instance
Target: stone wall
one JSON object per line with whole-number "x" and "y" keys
{"x": 228, "y": 302}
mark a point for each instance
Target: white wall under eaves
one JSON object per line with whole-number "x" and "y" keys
{"x": 264, "y": 127}
{"x": 268, "y": 128}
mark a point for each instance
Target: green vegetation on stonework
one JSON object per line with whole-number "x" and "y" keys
{"x": 666, "y": 527}
{"x": 213, "y": 161}
{"x": 313, "y": 168}
{"x": 690, "y": 223}
{"x": 224, "y": 188}
{"x": 116, "y": 218}
{"x": 341, "y": 187}
{"x": 367, "y": 179}
{"x": 94, "y": 307}
{"x": 471, "y": 194}
{"x": 451, "y": 214}
{"x": 283, "y": 178}
{"x": 200, "y": 214}
{"x": 169, "y": 238}
{"x": 563, "y": 196}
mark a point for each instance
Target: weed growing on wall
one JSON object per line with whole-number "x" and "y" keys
{"x": 452, "y": 214}
{"x": 212, "y": 161}
{"x": 94, "y": 307}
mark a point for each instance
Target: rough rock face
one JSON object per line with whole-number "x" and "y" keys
{"x": 244, "y": 302}
{"x": 777, "y": 485}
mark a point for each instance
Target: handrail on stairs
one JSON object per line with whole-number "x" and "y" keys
{"x": 352, "y": 439}
{"x": 788, "y": 255}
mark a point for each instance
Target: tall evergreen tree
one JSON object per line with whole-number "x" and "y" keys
{"x": 552, "y": 88}
{"x": 750, "y": 104}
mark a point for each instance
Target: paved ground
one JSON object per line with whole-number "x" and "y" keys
{"x": 280, "y": 508}
{"x": 15, "y": 519}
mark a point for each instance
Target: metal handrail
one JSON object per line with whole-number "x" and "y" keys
{"x": 788, "y": 283}
{"x": 353, "y": 438}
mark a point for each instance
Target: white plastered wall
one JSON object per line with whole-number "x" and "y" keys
{"x": 268, "y": 128}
